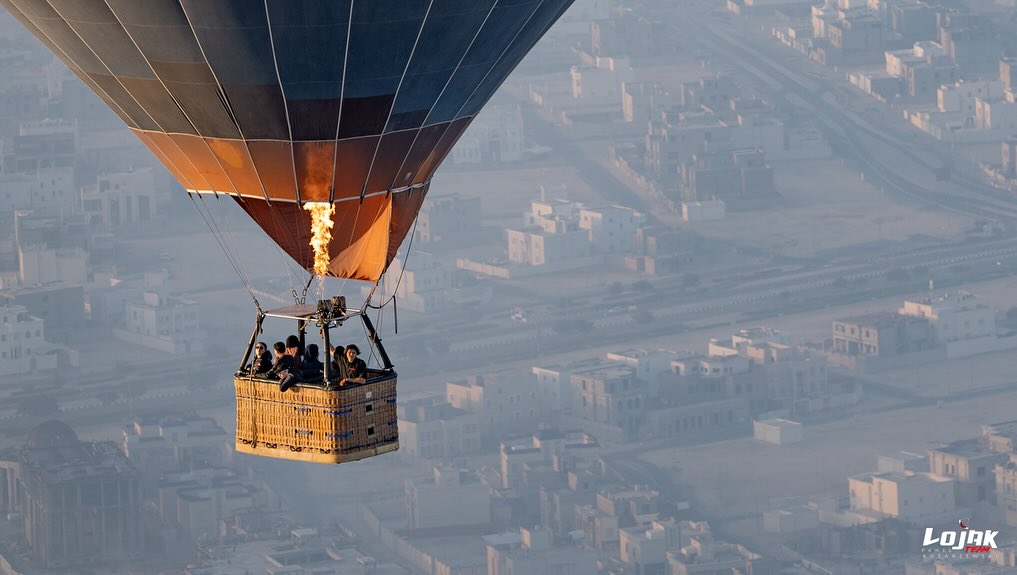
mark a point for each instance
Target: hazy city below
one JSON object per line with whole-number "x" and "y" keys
{"x": 706, "y": 288}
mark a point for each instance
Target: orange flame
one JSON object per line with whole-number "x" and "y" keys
{"x": 321, "y": 233}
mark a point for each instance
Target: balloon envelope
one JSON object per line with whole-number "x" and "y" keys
{"x": 280, "y": 102}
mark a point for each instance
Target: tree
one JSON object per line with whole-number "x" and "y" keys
{"x": 615, "y": 288}
{"x": 691, "y": 280}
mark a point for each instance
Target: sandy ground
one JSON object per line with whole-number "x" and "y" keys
{"x": 749, "y": 475}
{"x": 824, "y": 206}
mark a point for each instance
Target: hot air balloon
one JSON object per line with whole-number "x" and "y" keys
{"x": 325, "y": 120}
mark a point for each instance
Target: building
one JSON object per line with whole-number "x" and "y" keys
{"x": 599, "y": 84}
{"x": 855, "y": 39}
{"x": 43, "y": 144}
{"x": 48, "y": 190}
{"x": 121, "y": 198}
{"x": 912, "y": 497}
{"x": 999, "y": 115}
{"x": 704, "y": 556}
{"x": 792, "y": 520}
{"x": 545, "y": 446}
{"x": 1006, "y": 489}
{"x": 535, "y": 554}
{"x": 777, "y": 431}
{"x": 454, "y": 497}
{"x": 902, "y": 461}
{"x": 962, "y": 97}
{"x": 703, "y": 211}
{"x": 23, "y": 347}
{"x": 429, "y": 286}
{"x": 971, "y": 464}
{"x": 881, "y": 335}
{"x": 503, "y": 401}
{"x": 78, "y": 502}
{"x": 953, "y": 317}
{"x": 644, "y": 548}
{"x": 736, "y": 177}
{"x": 496, "y": 135}
{"x": 60, "y": 306}
{"x": 611, "y": 229}
{"x": 625, "y": 35}
{"x": 166, "y": 444}
{"x": 643, "y": 100}
{"x": 162, "y": 322}
{"x": 446, "y": 215}
{"x": 430, "y": 427}
{"x": 610, "y": 394}
{"x": 196, "y": 501}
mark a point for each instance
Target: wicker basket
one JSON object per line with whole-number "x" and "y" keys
{"x": 311, "y": 423}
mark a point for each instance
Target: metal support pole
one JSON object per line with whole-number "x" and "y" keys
{"x": 250, "y": 344}
{"x": 326, "y": 370}
{"x": 372, "y": 335}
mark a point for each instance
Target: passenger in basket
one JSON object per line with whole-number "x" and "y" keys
{"x": 293, "y": 350}
{"x": 338, "y": 367}
{"x": 262, "y": 362}
{"x": 356, "y": 369}
{"x": 312, "y": 366}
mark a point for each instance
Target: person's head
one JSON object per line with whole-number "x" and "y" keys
{"x": 260, "y": 348}
{"x": 352, "y": 351}
{"x": 312, "y": 351}
{"x": 292, "y": 344}
{"x": 279, "y": 348}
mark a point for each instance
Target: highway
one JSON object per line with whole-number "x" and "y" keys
{"x": 843, "y": 128}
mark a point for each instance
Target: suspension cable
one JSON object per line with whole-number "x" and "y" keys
{"x": 229, "y": 257}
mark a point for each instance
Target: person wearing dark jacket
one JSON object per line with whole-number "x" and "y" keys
{"x": 262, "y": 362}
{"x": 338, "y": 367}
{"x": 356, "y": 369}
{"x": 310, "y": 364}
{"x": 285, "y": 368}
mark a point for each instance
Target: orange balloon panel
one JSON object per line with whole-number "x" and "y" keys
{"x": 365, "y": 235}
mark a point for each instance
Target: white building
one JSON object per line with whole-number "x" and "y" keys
{"x": 503, "y": 400}
{"x": 645, "y": 547}
{"x": 121, "y": 198}
{"x": 432, "y": 428}
{"x": 995, "y": 115}
{"x": 909, "y": 496}
{"x": 454, "y": 497}
{"x": 38, "y": 265}
{"x": 612, "y": 229}
{"x": 601, "y": 83}
{"x": 23, "y": 347}
{"x": 961, "y": 96}
{"x": 49, "y": 190}
{"x": 449, "y": 214}
{"x": 173, "y": 443}
{"x": 536, "y": 554}
{"x": 163, "y": 323}
{"x": 902, "y": 461}
{"x": 496, "y": 135}
{"x": 536, "y": 247}
{"x": 777, "y": 431}
{"x": 954, "y": 317}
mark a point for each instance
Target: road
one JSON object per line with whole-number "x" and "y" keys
{"x": 797, "y": 90}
